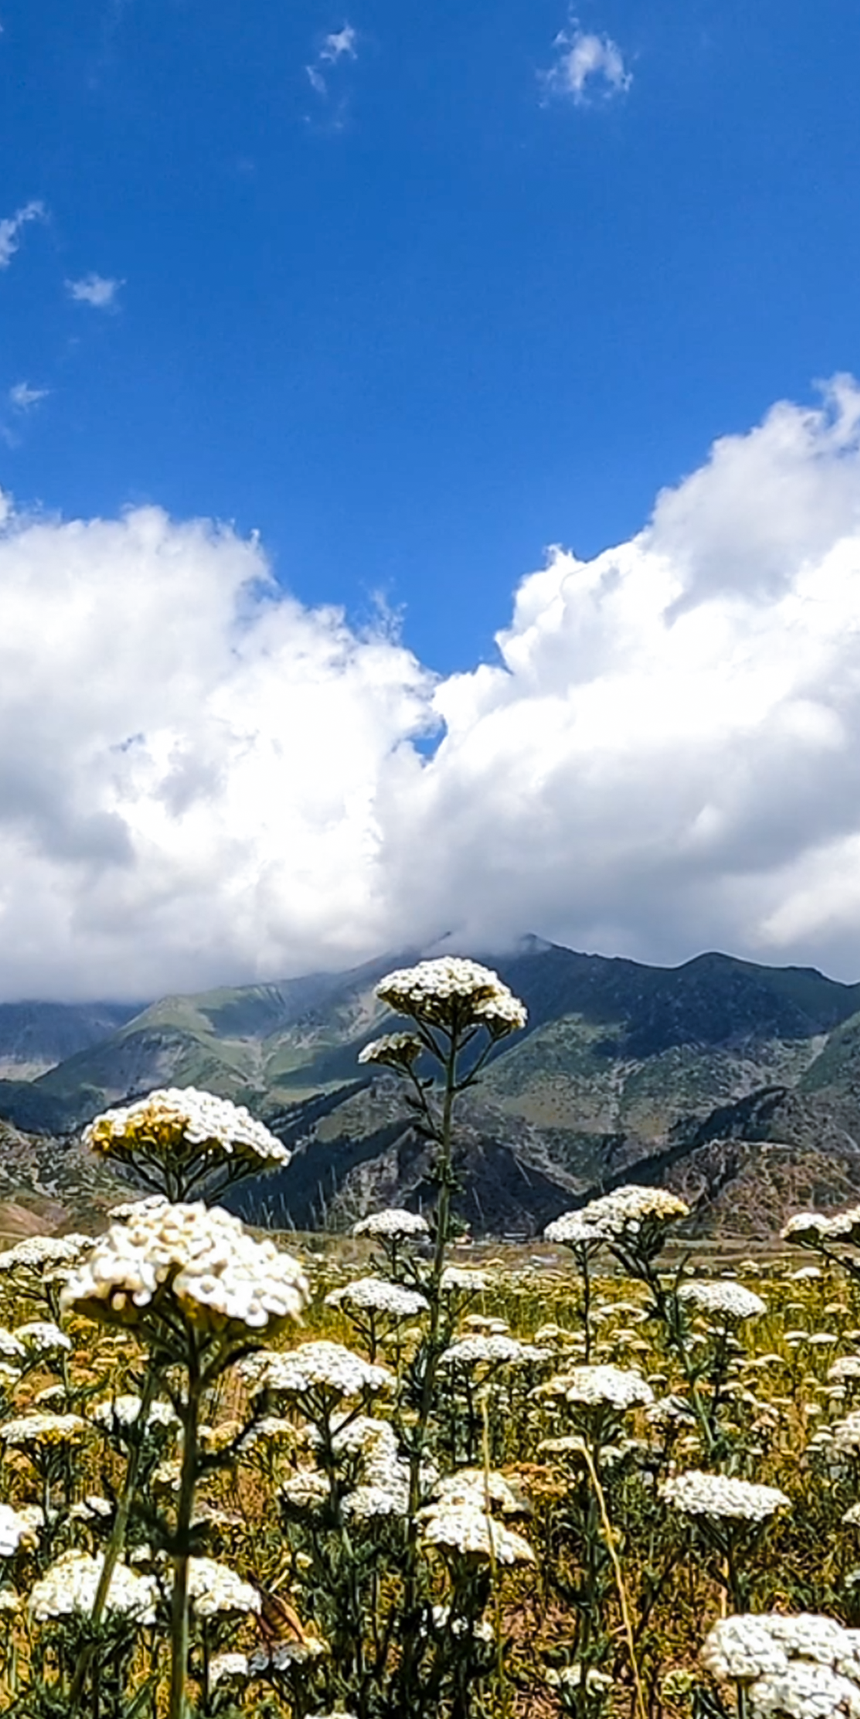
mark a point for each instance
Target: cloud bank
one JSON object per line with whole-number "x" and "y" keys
{"x": 201, "y": 780}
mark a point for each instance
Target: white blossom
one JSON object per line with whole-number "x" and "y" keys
{"x": 721, "y": 1495}
{"x": 323, "y": 1366}
{"x": 453, "y": 991}
{"x": 214, "y": 1588}
{"x": 482, "y": 1489}
{"x": 37, "y": 1252}
{"x": 43, "y": 1337}
{"x": 42, "y": 1429}
{"x": 377, "y": 1295}
{"x": 14, "y": 1528}
{"x": 619, "y": 1215}
{"x": 10, "y": 1346}
{"x": 283, "y": 1655}
{"x": 463, "y": 1279}
{"x": 69, "y": 1587}
{"x": 124, "y": 1411}
{"x": 395, "y": 1223}
{"x": 178, "y": 1124}
{"x": 492, "y": 1351}
{"x": 730, "y": 1299}
{"x": 228, "y": 1668}
{"x": 601, "y": 1383}
{"x": 466, "y": 1529}
{"x": 393, "y": 1050}
{"x": 801, "y": 1667}
{"x": 212, "y": 1268}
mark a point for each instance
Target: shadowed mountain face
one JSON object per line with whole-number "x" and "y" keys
{"x": 620, "y": 1069}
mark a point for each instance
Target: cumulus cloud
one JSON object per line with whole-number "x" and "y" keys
{"x": 100, "y": 291}
{"x": 12, "y": 226}
{"x": 201, "y": 780}
{"x": 586, "y": 67}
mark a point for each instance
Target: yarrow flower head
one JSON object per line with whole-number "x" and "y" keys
{"x": 600, "y": 1385}
{"x": 214, "y": 1588}
{"x": 453, "y": 992}
{"x": 124, "y": 1411}
{"x": 628, "y": 1214}
{"x": 377, "y": 1295}
{"x": 201, "y": 1261}
{"x": 70, "y": 1585}
{"x": 43, "y": 1337}
{"x": 721, "y": 1495}
{"x": 394, "y": 1224}
{"x": 15, "y": 1530}
{"x": 393, "y": 1050}
{"x": 34, "y": 1431}
{"x": 467, "y": 1530}
{"x": 802, "y": 1667}
{"x": 322, "y": 1367}
{"x": 731, "y": 1300}
{"x": 496, "y": 1351}
{"x": 185, "y": 1134}
{"x": 38, "y": 1252}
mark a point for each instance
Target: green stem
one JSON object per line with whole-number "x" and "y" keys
{"x": 179, "y": 1633}
{"x": 117, "y": 1539}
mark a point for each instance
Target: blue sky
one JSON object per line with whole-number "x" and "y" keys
{"x": 416, "y": 297}
{"x": 417, "y": 326}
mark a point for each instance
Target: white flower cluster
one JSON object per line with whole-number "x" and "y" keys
{"x": 496, "y": 1351}
{"x": 731, "y": 1300}
{"x": 306, "y": 1491}
{"x": 14, "y": 1529}
{"x": 453, "y": 990}
{"x": 283, "y": 1655}
{"x": 214, "y": 1588}
{"x": 467, "y": 1529}
{"x": 394, "y": 1224}
{"x": 124, "y": 1411}
{"x": 614, "y": 1216}
{"x": 803, "y": 1667}
{"x": 721, "y": 1495}
{"x": 377, "y": 1295}
{"x": 483, "y": 1490}
{"x": 816, "y": 1227}
{"x": 11, "y": 1349}
{"x": 847, "y": 1367}
{"x": 69, "y": 1586}
{"x": 463, "y": 1280}
{"x": 42, "y": 1429}
{"x": 321, "y": 1366}
{"x": 392, "y": 1050}
{"x": 174, "y": 1121}
{"x": 134, "y": 1208}
{"x": 844, "y": 1437}
{"x": 42, "y": 1337}
{"x": 205, "y": 1260}
{"x": 600, "y": 1384}
{"x": 37, "y": 1252}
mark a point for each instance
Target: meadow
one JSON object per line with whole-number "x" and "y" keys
{"x": 301, "y": 1478}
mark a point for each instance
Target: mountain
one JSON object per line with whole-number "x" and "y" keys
{"x": 36, "y": 1036}
{"x": 737, "y": 1082}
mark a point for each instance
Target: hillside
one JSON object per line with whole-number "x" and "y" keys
{"x": 623, "y": 1067}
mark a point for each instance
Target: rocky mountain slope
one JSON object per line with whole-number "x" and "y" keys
{"x": 738, "y": 1084}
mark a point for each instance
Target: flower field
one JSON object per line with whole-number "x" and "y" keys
{"x": 386, "y": 1478}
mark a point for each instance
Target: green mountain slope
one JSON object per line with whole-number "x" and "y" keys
{"x": 617, "y": 1058}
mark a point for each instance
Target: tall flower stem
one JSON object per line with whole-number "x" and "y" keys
{"x": 117, "y": 1539}
{"x": 179, "y": 1633}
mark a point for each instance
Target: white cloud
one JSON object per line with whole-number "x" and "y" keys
{"x": 338, "y": 43}
{"x": 586, "y": 66}
{"x": 12, "y": 225}
{"x": 23, "y": 397}
{"x": 98, "y": 290}
{"x": 201, "y": 780}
